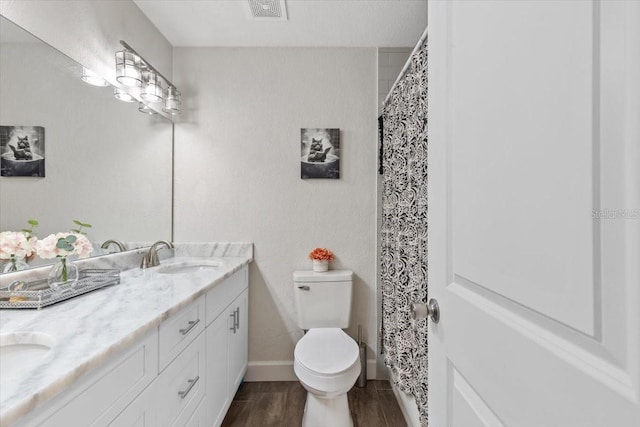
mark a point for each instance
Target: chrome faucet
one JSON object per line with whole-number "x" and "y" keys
{"x": 150, "y": 259}
{"x": 110, "y": 242}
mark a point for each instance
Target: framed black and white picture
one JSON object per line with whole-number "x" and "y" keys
{"x": 320, "y": 151}
{"x": 22, "y": 151}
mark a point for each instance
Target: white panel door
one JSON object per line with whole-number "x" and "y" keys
{"x": 534, "y": 213}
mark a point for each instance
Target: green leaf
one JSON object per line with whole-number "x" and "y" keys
{"x": 64, "y": 244}
{"x": 76, "y": 222}
{"x": 75, "y": 230}
{"x": 71, "y": 239}
{"x": 86, "y": 225}
{"x": 33, "y": 222}
{"x": 26, "y": 230}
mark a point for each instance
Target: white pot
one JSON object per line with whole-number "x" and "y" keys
{"x": 320, "y": 265}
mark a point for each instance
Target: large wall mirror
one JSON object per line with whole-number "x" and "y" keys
{"x": 105, "y": 163}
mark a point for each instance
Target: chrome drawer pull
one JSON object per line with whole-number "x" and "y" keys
{"x": 233, "y": 328}
{"x": 192, "y": 382}
{"x": 237, "y": 318}
{"x": 192, "y": 324}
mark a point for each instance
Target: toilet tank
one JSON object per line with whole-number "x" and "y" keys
{"x": 323, "y": 300}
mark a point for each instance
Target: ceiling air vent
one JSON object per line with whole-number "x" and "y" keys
{"x": 267, "y": 10}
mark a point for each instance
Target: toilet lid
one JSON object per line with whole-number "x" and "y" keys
{"x": 326, "y": 351}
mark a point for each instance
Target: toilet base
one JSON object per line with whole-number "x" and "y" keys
{"x": 333, "y": 412}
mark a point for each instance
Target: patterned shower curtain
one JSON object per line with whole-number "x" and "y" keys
{"x": 404, "y": 230}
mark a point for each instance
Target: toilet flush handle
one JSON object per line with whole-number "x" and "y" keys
{"x": 304, "y": 288}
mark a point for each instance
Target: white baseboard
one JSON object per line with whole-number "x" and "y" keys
{"x": 282, "y": 370}
{"x": 407, "y": 405}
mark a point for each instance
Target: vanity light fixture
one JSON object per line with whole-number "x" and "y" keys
{"x": 151, "y": 87}
{"x": 172, "y": 101}
{"x": 128, "y": 69}
{"x": 134, "y": 71}
{"x": 122, "y": 95}
{"x": 92, "y": 78}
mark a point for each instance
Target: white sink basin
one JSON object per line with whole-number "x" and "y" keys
{"x": 189, "y": 267}
{"x": 20, "y": 353}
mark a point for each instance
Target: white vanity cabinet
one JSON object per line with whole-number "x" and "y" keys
{"x": 207, "y": 369}
{"x": 182, "y": 374}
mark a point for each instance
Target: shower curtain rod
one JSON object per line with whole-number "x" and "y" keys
{"x": 423, "y": 38}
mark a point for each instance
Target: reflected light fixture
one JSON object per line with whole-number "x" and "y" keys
{"x": 144, "y": 108}
{"x": 92, "y": 78}
{"x": 151, "y": 87}
{"x": 122, "y": 95}
{"x": 172, "y": 101}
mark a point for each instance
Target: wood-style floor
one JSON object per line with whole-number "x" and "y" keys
{"x": 281, "y": 404}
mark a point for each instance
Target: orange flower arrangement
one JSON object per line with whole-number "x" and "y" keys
{"x": 321, "y": 254}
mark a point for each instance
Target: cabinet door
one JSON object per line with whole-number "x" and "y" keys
{"x": 238, "y": 342}
{"x": 217, "y": 395}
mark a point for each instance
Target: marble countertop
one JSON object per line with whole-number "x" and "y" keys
{"x": 89, "y": 330}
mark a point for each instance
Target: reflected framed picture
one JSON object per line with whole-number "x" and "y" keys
{"x": 320, "y": 153}
{"x": 22, "y": 151}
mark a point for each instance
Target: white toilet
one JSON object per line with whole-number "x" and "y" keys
{"x": 326, "y": 360}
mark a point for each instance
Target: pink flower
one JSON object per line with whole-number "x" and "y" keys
{"x": 47, "y": 247}
{"x": 82, "y": 246}
{"x": 15, "y": 244}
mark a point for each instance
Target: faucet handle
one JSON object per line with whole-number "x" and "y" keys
{"x": 145, "y": 261}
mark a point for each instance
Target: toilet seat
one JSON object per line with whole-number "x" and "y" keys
{"x": 326, "y": 361}
{"x": 326, "y": 351}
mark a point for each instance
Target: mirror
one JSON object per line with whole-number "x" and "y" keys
{"x": 103, "y": 162}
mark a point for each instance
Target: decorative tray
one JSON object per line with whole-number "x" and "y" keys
{"x": 38, "y": 294}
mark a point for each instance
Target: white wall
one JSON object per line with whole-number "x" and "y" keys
{"x": 89, "y": 32}
{"x": 237, "y": 168}
{"x": 391, "y": 60}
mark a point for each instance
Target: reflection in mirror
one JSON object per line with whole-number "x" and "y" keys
{"x": 98, "y": 159}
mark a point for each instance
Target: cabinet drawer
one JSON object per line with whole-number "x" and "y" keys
{"x": 103, "y": 395}
{"x": 224, "y": 293}
{"x": 179, "y": 330}
{"x": 140, "y": 413}
{"x": 181, "y": 387}
{"x": 198, "y": 417}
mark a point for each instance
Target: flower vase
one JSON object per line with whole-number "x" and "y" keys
{"x": 15, "y": 264}
{"x": 320, "y": 265}
{"x": 63, "y": 273}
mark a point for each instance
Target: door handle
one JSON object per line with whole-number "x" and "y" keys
{"x": 304, "y": 288}
{"x": 420, "y": 310}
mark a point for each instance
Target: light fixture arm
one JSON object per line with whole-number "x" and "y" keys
{"x": 146, "y": 63}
